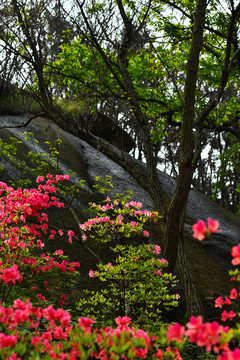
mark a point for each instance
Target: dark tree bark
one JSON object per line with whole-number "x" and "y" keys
{"x": 176, "y": 210}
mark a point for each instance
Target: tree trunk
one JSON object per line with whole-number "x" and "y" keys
{"x": 176, "y": 210}
{"x": 154, "y": 186}
{"x": 193, "y": 300}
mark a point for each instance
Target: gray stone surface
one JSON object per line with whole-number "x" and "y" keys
{"x": 97, "y": 164}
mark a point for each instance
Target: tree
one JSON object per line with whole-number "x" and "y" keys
{"x": 177, "y": 207}
{"x": 30, "y": 35}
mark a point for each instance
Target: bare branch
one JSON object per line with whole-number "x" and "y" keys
{"x": 24, "y": 123}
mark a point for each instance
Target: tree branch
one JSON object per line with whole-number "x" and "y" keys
{"x": 225, "y": 70}
{"x": 24, "y": 123}
{"x": 98, "y": 47}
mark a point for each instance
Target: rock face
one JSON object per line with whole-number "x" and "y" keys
{"x": 210, "y": 260}
{"x": 105, "y": 128}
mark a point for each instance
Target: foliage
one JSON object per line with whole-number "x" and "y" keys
{"x": 135, "y": 284}
{"x": 224, "y": 168}
{"x": 142, "y": 66}
{"x": 28, "y": 164}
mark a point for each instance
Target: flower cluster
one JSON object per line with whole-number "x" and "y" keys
{"x": 118, "y": 217}
{"x": 10, "y": 275}
{"x": 201, "y": 231}
{"x": 236, "y": 255}
{"x": 212, "y": 335}
{"x": 59, "y": 339}
{"x": 219, "y": 302}
{"x": 19, "y": 236}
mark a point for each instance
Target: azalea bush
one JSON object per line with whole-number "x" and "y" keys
{"x": 24, "y": 267}
{"x": 117, "y": 220}
{"x": 36, "y": 329}
{"x": 28, "y": 332}
{"x": 220, "y": 340}
{"x": 135, "y": 284}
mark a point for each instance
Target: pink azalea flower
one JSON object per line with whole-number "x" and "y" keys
{"x": 84, "y": 237}
{"x": 219, "y": 302}
{"x": 231, "y": 314}
{"x": 40, "y": 243}
{"x": 85, "y": 322}
{"x": 210, "y": 335}
{"x": 194, "y": 327}
{"x": 91, "y": 273}
{"x": 163, "y": 261}
{"x": 10, "y": 275}
{"x": 7, "y": 340}
{"x": 201, "y": 231}
{"x": 233, "y": 294}
{"x": 125, "y": 320}
{"x": 40, "y": 179}
{"x": 157, "y": 249}
{"x": 174, "y": 351}
{"x": 213, "y": 225}
{"x": 224, "y": 316}
{"x": 135, "y": 204}
{"x": 159, "y": 354}
{"x": 236, "y": 255}
{"x": 60, "y": 315}
{"x": 59, "y": 252}
{"x": 230, "y": 355}
{"x": 227, "y": 301}
{"x": 109, "y": 265}
{"x": 175, "y": 332}
{"x": 133, "y": 224}
{"x": 14, "y": 357}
